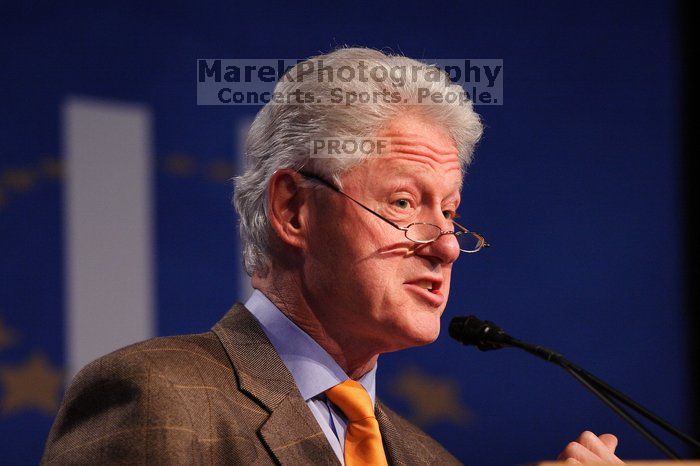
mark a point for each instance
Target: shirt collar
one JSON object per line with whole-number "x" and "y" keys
{"x": 313, "y": 369}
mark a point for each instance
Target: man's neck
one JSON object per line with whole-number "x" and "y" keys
{"x": 354, "y": 357}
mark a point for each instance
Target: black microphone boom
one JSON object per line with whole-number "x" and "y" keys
{"x": 487, "y": 336}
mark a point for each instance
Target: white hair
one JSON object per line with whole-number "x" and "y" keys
{"x": 281, "y": 133}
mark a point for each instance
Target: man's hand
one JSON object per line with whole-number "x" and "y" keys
{"x": 590, "y": 448}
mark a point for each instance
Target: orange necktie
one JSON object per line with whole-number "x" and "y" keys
{"x": 363, "y": 441}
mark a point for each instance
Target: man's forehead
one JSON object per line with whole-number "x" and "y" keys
{"x": 445, "y": 177}
{"x": 449, "y": 180}
{"x": 430, "y": 144}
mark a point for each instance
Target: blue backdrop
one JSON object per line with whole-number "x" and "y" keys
{"x": 575, "y": 185}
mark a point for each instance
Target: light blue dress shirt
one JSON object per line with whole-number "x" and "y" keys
{"x": 313, "y": 369}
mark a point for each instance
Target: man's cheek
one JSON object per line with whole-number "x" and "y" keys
{"x": 446, "y": 291}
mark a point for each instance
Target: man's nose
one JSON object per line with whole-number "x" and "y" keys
{"x": 445, "y": 249}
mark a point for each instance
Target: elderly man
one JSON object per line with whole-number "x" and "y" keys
{"x": 350, "y": 255}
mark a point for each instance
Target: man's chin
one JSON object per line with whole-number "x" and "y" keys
{"x": 418, "y": 335}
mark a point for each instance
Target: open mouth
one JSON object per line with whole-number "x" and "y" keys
{"x": 429, "y": 285}
{"x": 428, "y": 290}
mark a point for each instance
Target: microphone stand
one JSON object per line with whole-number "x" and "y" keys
{"x": 601, "y": 391}
{"x": 487, "y": 336}
{"x": 624, "y": 415}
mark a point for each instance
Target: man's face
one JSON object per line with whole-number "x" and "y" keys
{"x": 361, "y": 273}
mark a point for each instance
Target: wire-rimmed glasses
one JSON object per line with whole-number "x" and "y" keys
{"x": 418, "y": 232}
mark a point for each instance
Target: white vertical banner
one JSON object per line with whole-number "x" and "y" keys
{"x": 108, "y": 228}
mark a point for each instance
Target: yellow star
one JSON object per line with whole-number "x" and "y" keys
{"x": 178, "y": 164}
{"x": 19, "y": 179}
{"x": 32, "y": 385}
{"x": 8, "y": 336}
{"x": 221, "y": 170}
{"x": 432, "y": 399}
{"x": 51, "y": 167}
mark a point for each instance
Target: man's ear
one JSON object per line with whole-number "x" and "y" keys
{"x": 286, "y": 207}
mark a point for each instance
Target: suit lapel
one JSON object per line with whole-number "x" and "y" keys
{"x": 398, "y": 450}
{"x": 295, "y": 437}
{"x": 291, "y": 432}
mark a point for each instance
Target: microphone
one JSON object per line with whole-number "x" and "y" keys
{"x": 484, "y": 335}
{"x": 487, "y": 336}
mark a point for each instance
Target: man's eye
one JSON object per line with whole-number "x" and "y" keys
{"x": 402, "y": 203}
{"x": 450, "y": 214}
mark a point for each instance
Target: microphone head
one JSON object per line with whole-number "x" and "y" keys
{"x": 484, "y": 335}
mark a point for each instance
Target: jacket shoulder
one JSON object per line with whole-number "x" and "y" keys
{"x": 133, "y": 372}
{"x": 152, "y": 401}
{"x": 175, "y": 359}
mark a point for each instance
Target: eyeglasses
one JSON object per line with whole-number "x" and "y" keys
{"x": 418, "y": 232}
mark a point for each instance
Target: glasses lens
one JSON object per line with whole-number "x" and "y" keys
{"x": 422, "y": 232}
{"x": 469, "y": 242}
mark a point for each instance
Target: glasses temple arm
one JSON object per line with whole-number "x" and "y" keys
{"x": 374, "y": 213}
{"x": 338, "y": 190}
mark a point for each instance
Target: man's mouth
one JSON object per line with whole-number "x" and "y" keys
{"x": 429, "y": 285}
{"x": 428, "y": 289}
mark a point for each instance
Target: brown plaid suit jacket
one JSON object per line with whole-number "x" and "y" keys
{"x": 224, "y": 396}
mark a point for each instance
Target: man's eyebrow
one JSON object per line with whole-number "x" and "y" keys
{"x": 408, "y": 177}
